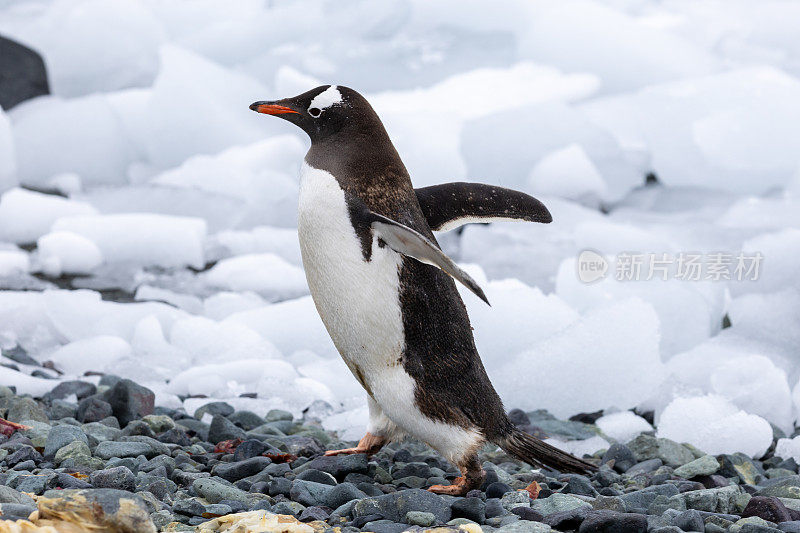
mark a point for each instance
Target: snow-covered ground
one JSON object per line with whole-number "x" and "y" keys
{"x": 171, "y": 256}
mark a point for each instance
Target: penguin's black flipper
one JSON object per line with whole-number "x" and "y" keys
{"x": 406, "y": 241}
{"x": 450, "y": 205}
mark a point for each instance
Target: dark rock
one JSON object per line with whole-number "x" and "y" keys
{"x": 93, "y": 409}
{"x": 119, "y": 477}
{"x": 690, "y": 520}
{"x": 526, "y": 513}
{"x": 22, "y": 455}
{"x": 385, "y": 526}
{"x": 621, "y": 455}
{"x": 343, "y": 493}
{"x": 246, "y": 420}
{"x": 613, "y": 522}
{"x": 27, "y": 466}
{"x": 360, "y": 521}
{"x": 16, "y": 511}
{"x": 175, "y": 436}
{"x": 196, "y": 427}
{"x": 494, "y": 507}
{"x": 80, "y": 389}
{"x": 564, "y": 520}
{"x": 303, "y": 446}
{"x": 66, "y": 481}
{"x": 639, "y": 501}
{"x": 109, "y": 449}
{"x": 587, "y": 418}
{"x": 189, "y": 507}
{"x": 24, "y": 75}
{"x": 417, "y": 469}
{"x": 241, "y": 469}
{"x": 340, "y": 465}
{"x": 21, "y": 409}
{"x": 223, "y": 429}
{"x": 129, "y": 401}
{"x": 317, "y": 476}
{"x": 214, "y": 408}
{"x": 314, "y": 513}
{"x": 497, "y": 489}
{"x": 577, "y": 484}
{"x": 790, "y": 527}
{"x": 309, "y": 493}
{"x": 519, "y": 417}
{"x": 645, "y": 467}
{"x": 471, "y": 508}
{"x": 18, "y": 353}
{"x": 394, "y": 506}
{"x": 280, "y": 486}
{"x": 60, "y": 436}
{"x": 138, "y": 428}
{"x": 248, "y": 449}
{"x": 769, "y": 508}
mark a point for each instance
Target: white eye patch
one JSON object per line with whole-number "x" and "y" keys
{"x": 324, "y": 100}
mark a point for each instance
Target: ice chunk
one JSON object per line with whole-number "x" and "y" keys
{"x": 623, "y": 426}
{"x": 142, "y": 239}
{"x": 623, "y": 50}
{"x": 208, "y": 341}
{"x": 187, "y": 302}
{"x": 224, "y": 304}
{"x": 199, "y": 107}
{"x": 93, "y": 46}
{"x": 80, "y": 314}
{"x": 568, "y": 173}
{"x": 13, "y": 262}
{"x": 604, "y": 360}
{"x": 769, "y": 318}
{"x": 265, "y": 274}
{"x": 788, "y": 448}
{"x": 714, "y": 425}
{"x": 780, "y": 252}
{"x": 8, "y": 164}
{"x": 261, "y": 239}
{"x": 714, "y": 131}
{"x": 291, "y": 325}
{"x": 263, "y": 175}
{"x": 520, "y": 317}
{"x": 491, "y": 148}
{"x": 26, "y": 215}
{"x": 757, "y": 386}
{"x": 348, "y": 425}
{"x": 66, "y": 252}
{"x": 82, "y": 135}
{"x": 26, "y": 384}
{"x": 220, "y": 211}
{"x": 688, "y": 312}
{"x": 98, "y": 354}
{"x": 579, "y": 448}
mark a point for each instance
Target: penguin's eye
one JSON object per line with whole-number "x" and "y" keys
{"x": 314, "y": 111}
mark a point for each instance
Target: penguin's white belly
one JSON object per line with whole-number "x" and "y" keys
{"x": 359, "y": 303}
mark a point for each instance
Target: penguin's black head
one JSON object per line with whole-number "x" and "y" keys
{"x": 324, "y": 112}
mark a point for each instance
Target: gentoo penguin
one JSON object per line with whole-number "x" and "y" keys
{"x": 385, "y": 290}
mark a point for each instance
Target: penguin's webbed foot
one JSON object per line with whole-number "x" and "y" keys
{"x": 369, "y": 444}
{"x": 472, "y": 478}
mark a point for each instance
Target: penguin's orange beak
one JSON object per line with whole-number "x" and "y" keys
{"x": 271, "y": 109}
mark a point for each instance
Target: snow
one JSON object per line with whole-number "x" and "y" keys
{"x": 714, "y": 425}
{"x": 623, "y": 426}
{"x": 26, "y": 215}
{"x": 144, "y": 178}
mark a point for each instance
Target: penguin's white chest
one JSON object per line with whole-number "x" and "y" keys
{"x": 358, "y": 300}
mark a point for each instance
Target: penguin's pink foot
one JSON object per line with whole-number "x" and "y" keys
{"x": 472, "y": 478}
{"x": 369, "y": 444}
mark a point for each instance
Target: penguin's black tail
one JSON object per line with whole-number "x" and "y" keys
{"x": 538, "y": 453}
